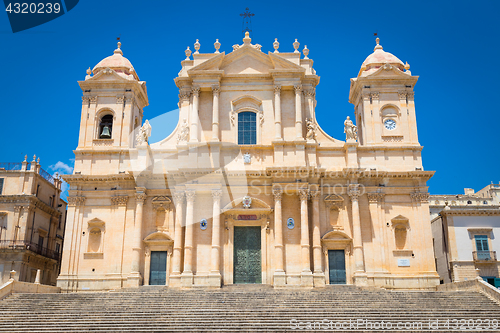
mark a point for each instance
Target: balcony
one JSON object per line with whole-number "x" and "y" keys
{"x": 26, "y": 245}
{"x": 484, "y": 256}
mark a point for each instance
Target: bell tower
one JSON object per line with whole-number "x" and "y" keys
{"x": 112, "y": 104}
{"x": 112, "y": 108}
{"x": 382, "y": 95}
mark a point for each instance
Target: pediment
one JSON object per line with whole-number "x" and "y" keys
{"x": 158, "y": 236}
{"x": 246, "y": 60}
{"x": 334, "y": 198}
{"x": 388, "y": 71}
{"x": 336, "y": 236}
{"x": 212, "y": 64}
{"x": 284, "y": 64}
{"x": 107, "y": 74}
{"x": 240, "y": 203}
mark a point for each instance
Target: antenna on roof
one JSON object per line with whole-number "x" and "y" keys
{"x": 247, "y": 20}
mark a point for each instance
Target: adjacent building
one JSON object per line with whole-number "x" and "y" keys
{"x": 32, "y": 222}
{"x": 466, "y": 234}
{"x": 248, "y": 188}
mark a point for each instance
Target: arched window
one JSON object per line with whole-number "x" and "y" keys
{"x": 247, "y": 128}
{"x": 105, "y": 127}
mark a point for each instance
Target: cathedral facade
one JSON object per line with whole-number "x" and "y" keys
{"x": 248, "y": 188}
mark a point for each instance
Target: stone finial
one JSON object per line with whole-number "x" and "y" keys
{"x": 38, "y": 160}
{"x": 276, "y": 45}
{"x": 89, "y": 71}
{"x": 119, "y": 50}
{"x": 296, "y": 45}
{"x": 196, "y": 47}
{"x": 217, "y": 46}
{"x": 56, "y": 175}
{"x": 34, "y": 158}
{"x": 12, "y": 274}
{"x": 247, "y": 39}
{"x": 25, "y": 158}
{"x": 378, "y": 46}
{"x": 306, "y": 52}
{"x": 188, "y": 53}
{"x": 407, "y": 66}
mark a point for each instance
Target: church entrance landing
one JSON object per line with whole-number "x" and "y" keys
{"x": 247, "y": 255}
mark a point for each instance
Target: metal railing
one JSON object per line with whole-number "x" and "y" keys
{"x": 33, "y": 247}
{"x": 47, "y": 176}
{"x": 484, "y": 255}
{"x": 13, "y": 166}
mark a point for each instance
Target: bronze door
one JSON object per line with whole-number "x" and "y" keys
{"x": 247, "y": 255}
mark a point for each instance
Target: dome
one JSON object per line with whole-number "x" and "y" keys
{"x": 118, "y": 63}
{"x": 379, "y": 58}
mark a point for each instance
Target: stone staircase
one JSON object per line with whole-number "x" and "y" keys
{"x": 250, "y": 308}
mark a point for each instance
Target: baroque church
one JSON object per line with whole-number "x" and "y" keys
{"x": 248, "y": 188}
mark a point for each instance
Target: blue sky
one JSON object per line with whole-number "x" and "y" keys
{"x": 452, "y": 45}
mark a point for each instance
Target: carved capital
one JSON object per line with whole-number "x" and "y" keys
{"x": 314, "y": 195}
{"x": 196, "y": 91}
{"x": 178, "y": 197}
{"x": 298, "y": 88}
{"x": 216, "y": 195}
{"x": 353, "y": 192}
{"x": 375, "y": 197}
{"x": 419, "y": 197}
{"x": 119, "y": 200}
{"x": 184, "y": 95}
{"x": 216, "y": 90}
{"x": 277, "y": 193}
{"x": 93, "y": 99}
{"x": 310, "y": 93}
{"x": 120, "y": 99}
{"x": 374, "y": 95}
{"x": 411, "y": 96}
{"x": 140, "y": 197}
{"x": 190, "y": 196}
{"x": 277, "y": 89}
{"x": 304, "y": 194}
{"x": 17, "y": 209}
{"x": 402, "y": 95}
{"x": 85, "y": 100}
{"x": 75, "y": 201}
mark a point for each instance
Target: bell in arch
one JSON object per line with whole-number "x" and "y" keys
{"x": 105, "y": 134}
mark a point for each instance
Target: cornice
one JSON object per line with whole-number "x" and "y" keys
{"x": 30, "y": 200}
{"x": 469, "y": 212}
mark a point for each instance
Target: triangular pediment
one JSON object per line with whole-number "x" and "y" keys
{"x": 388, "y": 71}
{"x": 246, "y": 60}
{"x": 107, "y": 74}
{"x": 211, "y": 64}
{"x": 284, "y": 64}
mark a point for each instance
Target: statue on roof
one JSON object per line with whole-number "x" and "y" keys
{"x": 144, "y": 133}
{"x": 350, "y": 130}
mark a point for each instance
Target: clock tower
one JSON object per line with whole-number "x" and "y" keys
{"x": 382, "y": 95}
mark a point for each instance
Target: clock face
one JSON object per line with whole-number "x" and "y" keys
{"x": 390, "y": 124}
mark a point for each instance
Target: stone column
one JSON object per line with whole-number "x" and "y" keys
{"x": 177, "y": 251}
{"x": 193, "y": 133}
{"x": 298, "y": 111}
{"x": 277, "y": 111}
{"x": 306, "y": 275}
{"x": 319, "y": 275}
{"x": 134, "y": 279}
{"x": 279, "y": 273}
{"x": 309, "y": 94}
{"x": 374, "y": 205}
{"x": 359, "y": 270}
{"x": 214, "y": 276}
{"x": 187, "y": 274}
{"x": 215, "y": 113}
